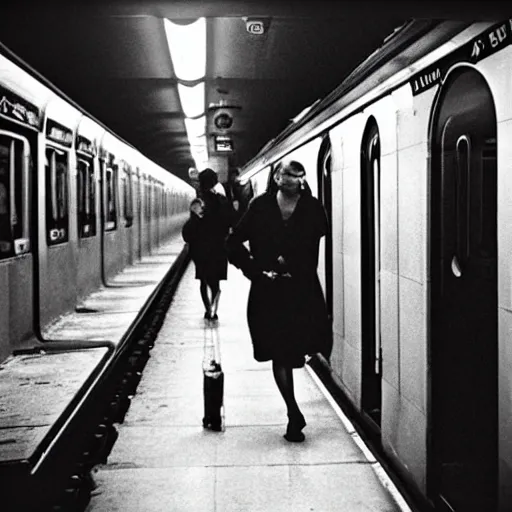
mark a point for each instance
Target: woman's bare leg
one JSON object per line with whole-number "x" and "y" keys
{"x": 215, "y": 289}
{"x": 203, "y": 288}
{"x": 283, "y": 376}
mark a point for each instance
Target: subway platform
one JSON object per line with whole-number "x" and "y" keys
{"x": 164, "y": 460}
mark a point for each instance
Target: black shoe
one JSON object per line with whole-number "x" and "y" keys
{"x": 214, "y": 424}
{"x": 214, "y": 317}
{"x": 294, "y": 429}
{"x": 207, "y": 315}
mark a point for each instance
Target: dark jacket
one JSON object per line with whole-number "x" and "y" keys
{"x": 206, "y": 237}
{"x": 287, "y": 317}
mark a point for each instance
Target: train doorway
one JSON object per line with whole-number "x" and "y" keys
{"x": 463, "y": 448}
{"x": 325, "y": 196}
{"x": 370, "y": 275}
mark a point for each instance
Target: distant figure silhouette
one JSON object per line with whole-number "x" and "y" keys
{"x": 238, "y": 194}
{"x": 205, "y": 232}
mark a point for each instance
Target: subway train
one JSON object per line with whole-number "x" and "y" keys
{"x": 411, "y": 156}
{"x": 77, "y": 205}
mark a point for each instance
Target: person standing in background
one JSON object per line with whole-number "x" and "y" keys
{"x": 239, "y": 195}
{"x": 205, "y": 232}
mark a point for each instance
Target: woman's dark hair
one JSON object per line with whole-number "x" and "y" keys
{"x": 207, "y": 179}
{"x": 296, "y": 166}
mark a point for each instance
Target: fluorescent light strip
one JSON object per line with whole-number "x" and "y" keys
{"x": 201, "y": 163}
{"x": 199, "y": 150}
{"x": 187, "y": 46}
{"x": 198, "y": 142}
{"x": 192, "y": 99}
{"x": 195, "y": 127}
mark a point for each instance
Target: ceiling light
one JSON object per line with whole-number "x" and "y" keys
{"x": 195, "y": 127}
{"x": 201, "y": 164}
{"x": 199, "y": 150}
{"x": 200, "y": 159}
{"x": 198, "y": 141}
{"x": 192, "y": 99}
{"x": 187, "y": 46}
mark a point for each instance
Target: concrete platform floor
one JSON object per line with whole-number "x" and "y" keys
{"x": 165, "y": 461}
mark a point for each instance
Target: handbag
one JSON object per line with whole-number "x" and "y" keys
{"x": 213, "y": 380}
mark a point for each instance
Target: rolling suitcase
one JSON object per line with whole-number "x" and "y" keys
{"x": 213, "y": 380}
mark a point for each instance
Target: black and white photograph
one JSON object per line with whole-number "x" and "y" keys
{"x": 255, "y": 256}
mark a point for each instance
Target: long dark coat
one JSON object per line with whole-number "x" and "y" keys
{"x": 287, "y": 317}
{"x": 206, "y": 237}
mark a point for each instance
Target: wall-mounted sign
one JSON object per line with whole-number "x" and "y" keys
{"x": 17, "y": 109}
{"x": 223, "y": 144}
{"x": 59, "y": 133}
{"x": 223, "y": 121}
{"x": 482, "y": 46}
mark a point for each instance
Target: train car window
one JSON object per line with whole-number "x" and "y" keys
{"x": 462, "y": 199}
{"x": 370, "y": 273}
{"x": 14, "y": 203}
{"x": 6, "y": 245}
{"x": 148, "y": 200}
{"x": 155, "y": 200}
{"x": 57, "y": 171}
{"x": 175, "y": 204}
{"x": 110, "y": 198}
{"x": 160, "y": 201}
{"x": 143, "y": 187}
{"x": 86, "y": 196}
{"x": 127, "y": 198}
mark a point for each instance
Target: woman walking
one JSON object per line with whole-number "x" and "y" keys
{"x": 286, "y": 309}
{"x": 206, "y": 232}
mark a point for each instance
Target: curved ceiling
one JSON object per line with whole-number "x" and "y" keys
{"x": 112, "y": 59}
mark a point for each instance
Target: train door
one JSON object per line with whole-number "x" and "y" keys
{"x": 370, "y": 274}
{"x": 463, "y": 342}
{"x": 18, "y": 237}
{"x": 325, "y": 196}
{"x": 58, "y": 257}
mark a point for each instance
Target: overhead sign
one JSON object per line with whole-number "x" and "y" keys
{"x": 223, "y": 144}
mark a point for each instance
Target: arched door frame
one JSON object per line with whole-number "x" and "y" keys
{"x": 439, "y": 379}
